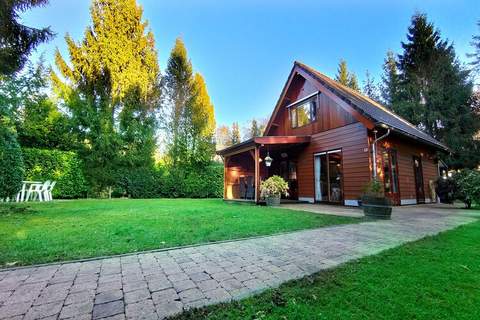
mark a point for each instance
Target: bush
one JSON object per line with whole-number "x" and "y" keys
{"x": 467, "y": 186}
{"x": 11, "y": 161}
{"x": 445, "y": 189}
{"x": 274, "y": 186}
{"x": 62, "y": 166}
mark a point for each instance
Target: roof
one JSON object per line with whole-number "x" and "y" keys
{"x": 265, "y": 140}
{"x": 371, "y": 108}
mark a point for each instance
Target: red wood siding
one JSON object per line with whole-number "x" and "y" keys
{"x": 352, "y": 139}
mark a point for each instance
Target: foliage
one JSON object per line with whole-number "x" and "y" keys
{"x": 370, "y": 88}
{"x": 445, "y": 189}
{"x": 64, "y": 167}
{"x": 235, "y": 134}
{"x": 38, "y": 121}
{"x": 346, "y": 77}
{"x": 435, "y": 92}
{"x": 11, "y": 160}
{"x": 96, "y": 228}
{"x": 390, "y": 80}
{"x": 433, "y": 278}
{"x": 374, "y": 188}
{"x": 467, "y": 186}
{"x": 475, "y": 55}
{"x": 275, "y": 186}
{"x": 17, "y": 40}
{"x": 111, "y": 89}
{"x": 223, "y": 137}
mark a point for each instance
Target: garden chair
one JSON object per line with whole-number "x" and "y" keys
{"x": 242, "y": 187}
{"x": 47, "y": 193}
{"x": 36, "y": 191}
{"x": 250, "y": 188}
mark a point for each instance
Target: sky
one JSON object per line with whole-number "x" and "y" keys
{"x": 245, "y": 49}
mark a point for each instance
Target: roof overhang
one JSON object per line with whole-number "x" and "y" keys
{"x": 262, "y": 141}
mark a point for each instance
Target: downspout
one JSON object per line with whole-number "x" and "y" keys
{"x": 374, "y": 148}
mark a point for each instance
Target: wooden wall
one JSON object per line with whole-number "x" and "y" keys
{"x": 329, "y": 114}
{"x": 238, "y": 165}
{"x": 353, "y": 141}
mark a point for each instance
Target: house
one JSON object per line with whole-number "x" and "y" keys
{"x": 327, "y": 141}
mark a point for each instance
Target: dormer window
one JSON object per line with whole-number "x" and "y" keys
{"x": 303, "y": 113}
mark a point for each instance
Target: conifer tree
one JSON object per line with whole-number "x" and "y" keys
{"x": 435, "y": 92}
{"x": 342, "y": 73}
{"x": 353, "y": 82}
{"x": 475, "y": 63}
{"x": 111, "y": 89}
{"x": 390, "y": 81}
{"x": 235, "y": 134}
{"x": 369, "y": 87}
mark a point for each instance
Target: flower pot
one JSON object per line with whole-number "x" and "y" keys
{"x": 273, "y": 201}
{"x": 376, "y": 207}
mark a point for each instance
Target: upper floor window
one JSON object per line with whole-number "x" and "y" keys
{"x": 303, "y": 113}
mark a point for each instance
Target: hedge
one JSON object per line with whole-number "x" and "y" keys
{"x": 11, "y": 162}
{"x": 64, "y": 167}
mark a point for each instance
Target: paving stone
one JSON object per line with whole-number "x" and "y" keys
{"x": 107, "y": 309}
{"x": 82, "y": 286}
{"x": 82, "y": 296}
{"x": 184, "y": 285}
{"x": 201, "y": 276}
{"x": 168, "y": 295}
{"x": 4, "y": 296}
{"x": 169, "y": 309}
{"x": 108, "y": 286}
{"x": 218, "y": 295}
{"x": 157, "y": 285}
{"x": 141, "y": 310}
{"x": 132, "y": 286}
{"x": 191, "y": 295}
{"x": 108, "y": 296}
{"x": 243, "y": 276}
{"x": 231, "y": 284}
{"x": 208, "y": 285}
{"x": 136, "y": 296}
{"x": 15, "y": 309}
{"x": 44, "y": 310}
{"x": 51, "y": 296}
{"x": 178, "y": 277}
{"x": 76, "y": 309}
{"x": 221, "y": 276}
{"x": 115, "y": 317}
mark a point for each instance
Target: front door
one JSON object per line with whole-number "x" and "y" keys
{"x": 418, "y": 172}
{"x": 390, "y": 175}
{"x": 328, "y": 176}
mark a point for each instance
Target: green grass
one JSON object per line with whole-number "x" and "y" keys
{"x": 434, "y": 278}
{"x": 65, "y": 230}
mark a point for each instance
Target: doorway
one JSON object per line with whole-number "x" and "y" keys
{"x": 390, "y": 175}
{"x": 418, "y": 173}
{"x": 328, "y": 173}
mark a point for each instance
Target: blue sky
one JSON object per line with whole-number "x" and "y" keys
{"x": 245, "y": 49}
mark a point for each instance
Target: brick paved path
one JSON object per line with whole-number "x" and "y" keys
{"x": 158, "y": 284}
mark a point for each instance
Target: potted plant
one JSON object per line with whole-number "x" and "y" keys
{"x": 272, "y": 189}
{"x": 374, "y": 202}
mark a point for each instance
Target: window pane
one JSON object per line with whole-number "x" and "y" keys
{"x": 335, "y": 176}
{"x": 293, "y": 117}
{"x": 386, "y": 171}
{"x": 393, "y": 159}
{"x": 303, "y": 114}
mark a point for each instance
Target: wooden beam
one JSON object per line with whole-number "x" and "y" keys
{"x": 225, "y": 171}
{"x": 257, "y": 174}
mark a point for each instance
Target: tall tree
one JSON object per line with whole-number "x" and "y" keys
{"x": 346, "y": 77}
{"x": 369, "y": 87}
{"x": 17, "y": 40}
{"x": 223, "y": 137}
{"x": 111, "y": 90}
{"x": 390, "y": 81}
{"x": 475, "y": 63}
{"x": 435, "y": 91}
{"x": 235, "y": 134}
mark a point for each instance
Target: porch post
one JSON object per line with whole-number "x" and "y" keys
{"x": 225, "y": 171}
{"x": 257, "y": 174}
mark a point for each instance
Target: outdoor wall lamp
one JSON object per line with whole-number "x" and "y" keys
{"x": 268, "y": 160}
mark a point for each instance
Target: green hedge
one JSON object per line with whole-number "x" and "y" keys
{"x": 62, "y": 166}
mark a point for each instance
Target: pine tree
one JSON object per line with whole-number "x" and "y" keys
{"x": 111, "y": 89}
{"x": 235, "y": 134}
{"x": 353, "y": 82}
{"x": 390, "y": 81}
{"x": 17, "y": 40}
{"x": 475, "y": 55}
{"x": 435, "y": 92}
{"x": 342, "y": 73}
{"x": 369, "y": 87}
{"x": 223, "y": 137}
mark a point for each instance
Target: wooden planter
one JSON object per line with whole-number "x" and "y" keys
{"x": 377, "y": 207}
{"x": 272, "y": 201}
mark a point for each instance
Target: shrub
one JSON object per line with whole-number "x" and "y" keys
{"x": 274, "y": 186}
{"x": 374, "y": 188}
{"x": 140, "y": 183}
{"x": 445, "y": 189}
{"x": 467, "y": 186}
{"x": 11, "y": 161}
{"x": 62, "y": 166}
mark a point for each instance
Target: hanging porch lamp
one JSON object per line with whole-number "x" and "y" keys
{"x": 268, "y": 160}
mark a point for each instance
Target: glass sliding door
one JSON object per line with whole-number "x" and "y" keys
{"x": 390, "y": 175}
{"x": 328, "y": 176}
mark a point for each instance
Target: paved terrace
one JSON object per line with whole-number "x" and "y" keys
{"x": 155, "y": 285}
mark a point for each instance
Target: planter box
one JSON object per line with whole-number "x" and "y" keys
{"x": 272, "y": 201}
{"x": 377, "y": 207}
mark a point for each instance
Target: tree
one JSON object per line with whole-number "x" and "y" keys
{"x": 12, "y": 167}
{"x": 390, "y": 81}
{"x": 235, "y": 134}
{"x": 435, "y": 92}
{"x": 17, "y": 40}
{"x": 223, "y": 137}
{"x": 475, "y": 63}
{"x": 345, "y": 77}
{"x": 369, "y": 87}
{"x": 254, "y": 128}
{"x": 111, "y": 90}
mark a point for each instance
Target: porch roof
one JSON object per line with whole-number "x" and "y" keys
{"x": 265, "y": 140}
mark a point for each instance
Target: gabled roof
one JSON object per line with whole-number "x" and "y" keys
{"x": 265, "y": 140}
{"x": 370, "y": 108}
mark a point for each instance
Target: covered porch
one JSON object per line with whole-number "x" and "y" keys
{"x": 248, "y": 163}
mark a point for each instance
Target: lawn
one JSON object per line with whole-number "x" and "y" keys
{"x": 65, "y": 230}
{"x": 434, "y": 278}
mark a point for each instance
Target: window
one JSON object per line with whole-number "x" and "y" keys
{"x": 303, "y": 114}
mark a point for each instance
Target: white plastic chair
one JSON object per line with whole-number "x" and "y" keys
{"x": 47, "y": 193}
{"x": 36, "y": 190}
